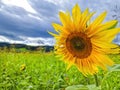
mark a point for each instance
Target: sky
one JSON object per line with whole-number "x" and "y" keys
{"x": 27, "y": 21}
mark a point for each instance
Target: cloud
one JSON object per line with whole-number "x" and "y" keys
{"x": 18, "y": 21}
{"x": 19, "y": 3}
{"x": 39, "y": 41}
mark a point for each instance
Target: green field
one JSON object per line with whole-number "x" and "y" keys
{"x": 44, "y": 71}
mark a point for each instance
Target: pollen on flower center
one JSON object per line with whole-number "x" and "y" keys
{"x": 79, "y": 45}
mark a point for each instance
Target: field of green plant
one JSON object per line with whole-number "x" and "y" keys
{"x": 44, "y": 71}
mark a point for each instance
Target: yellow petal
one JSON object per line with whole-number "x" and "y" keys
{"x": 99, "y": 19}
{"x": 110, "y": 24}
{"x": 66, "y": 20}
{"x": 102, "y": 27}
{"x": 83, "y": 17}
{"x": 104, "y": 58}
{"x": 70, "y": 63}
{"x": 63, "y": 18}
{"x": 86, "y": 66}
{"x": 98, "y": 61}
{"x": 107, "y": 35}
{"x": 103, "y": 44}
{"x": 104, "y": 47}
{"x": 53, "y": 34}
{"x": 94, "y": 25}
{"x": 57, "y": 27}
{"x": 76, "y": 16}
{"x": 86, "y": 19}
{"x": 76, "y": 13}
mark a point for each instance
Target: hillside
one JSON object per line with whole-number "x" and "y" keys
{"x": 27, "y": 47}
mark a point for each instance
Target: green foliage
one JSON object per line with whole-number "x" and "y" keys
{"x": 83, "y": 87}
{"x": 112, "y": 80}
{"x": 44, "y": 71}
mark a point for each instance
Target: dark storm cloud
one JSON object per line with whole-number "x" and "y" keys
{"x": 16, "y": 21}
{"x": 47, "y": 11}
{"x": 44, "y": 8}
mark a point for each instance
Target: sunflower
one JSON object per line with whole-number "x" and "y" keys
{"x": 23, "y": 67}
{"x": 83, "y": 43}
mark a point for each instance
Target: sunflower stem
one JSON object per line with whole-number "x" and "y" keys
{"x": 96, "y": 80}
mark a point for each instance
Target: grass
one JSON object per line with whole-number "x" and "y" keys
{"x": 43, "y": 71}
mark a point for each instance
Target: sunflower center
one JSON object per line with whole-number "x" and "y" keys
{"x": 79, "y": 45}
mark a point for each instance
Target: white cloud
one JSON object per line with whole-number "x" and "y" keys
{"x": 3, "y": 39}
{"x": 35, "y": 17}
{"x": 20, "y": 3}
{"x": 38, "y": 41}
{"x": 60, "y": 2}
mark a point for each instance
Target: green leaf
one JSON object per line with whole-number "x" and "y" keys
{"x": 83, "y": 87}
{"x": 93, "y": 87}
{"x": 117, "y": 66}
{"x": 77, "y": 87}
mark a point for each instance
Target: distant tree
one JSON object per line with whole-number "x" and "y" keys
{"x": 12, "y": 48}
{"x": 38, "y": 48}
